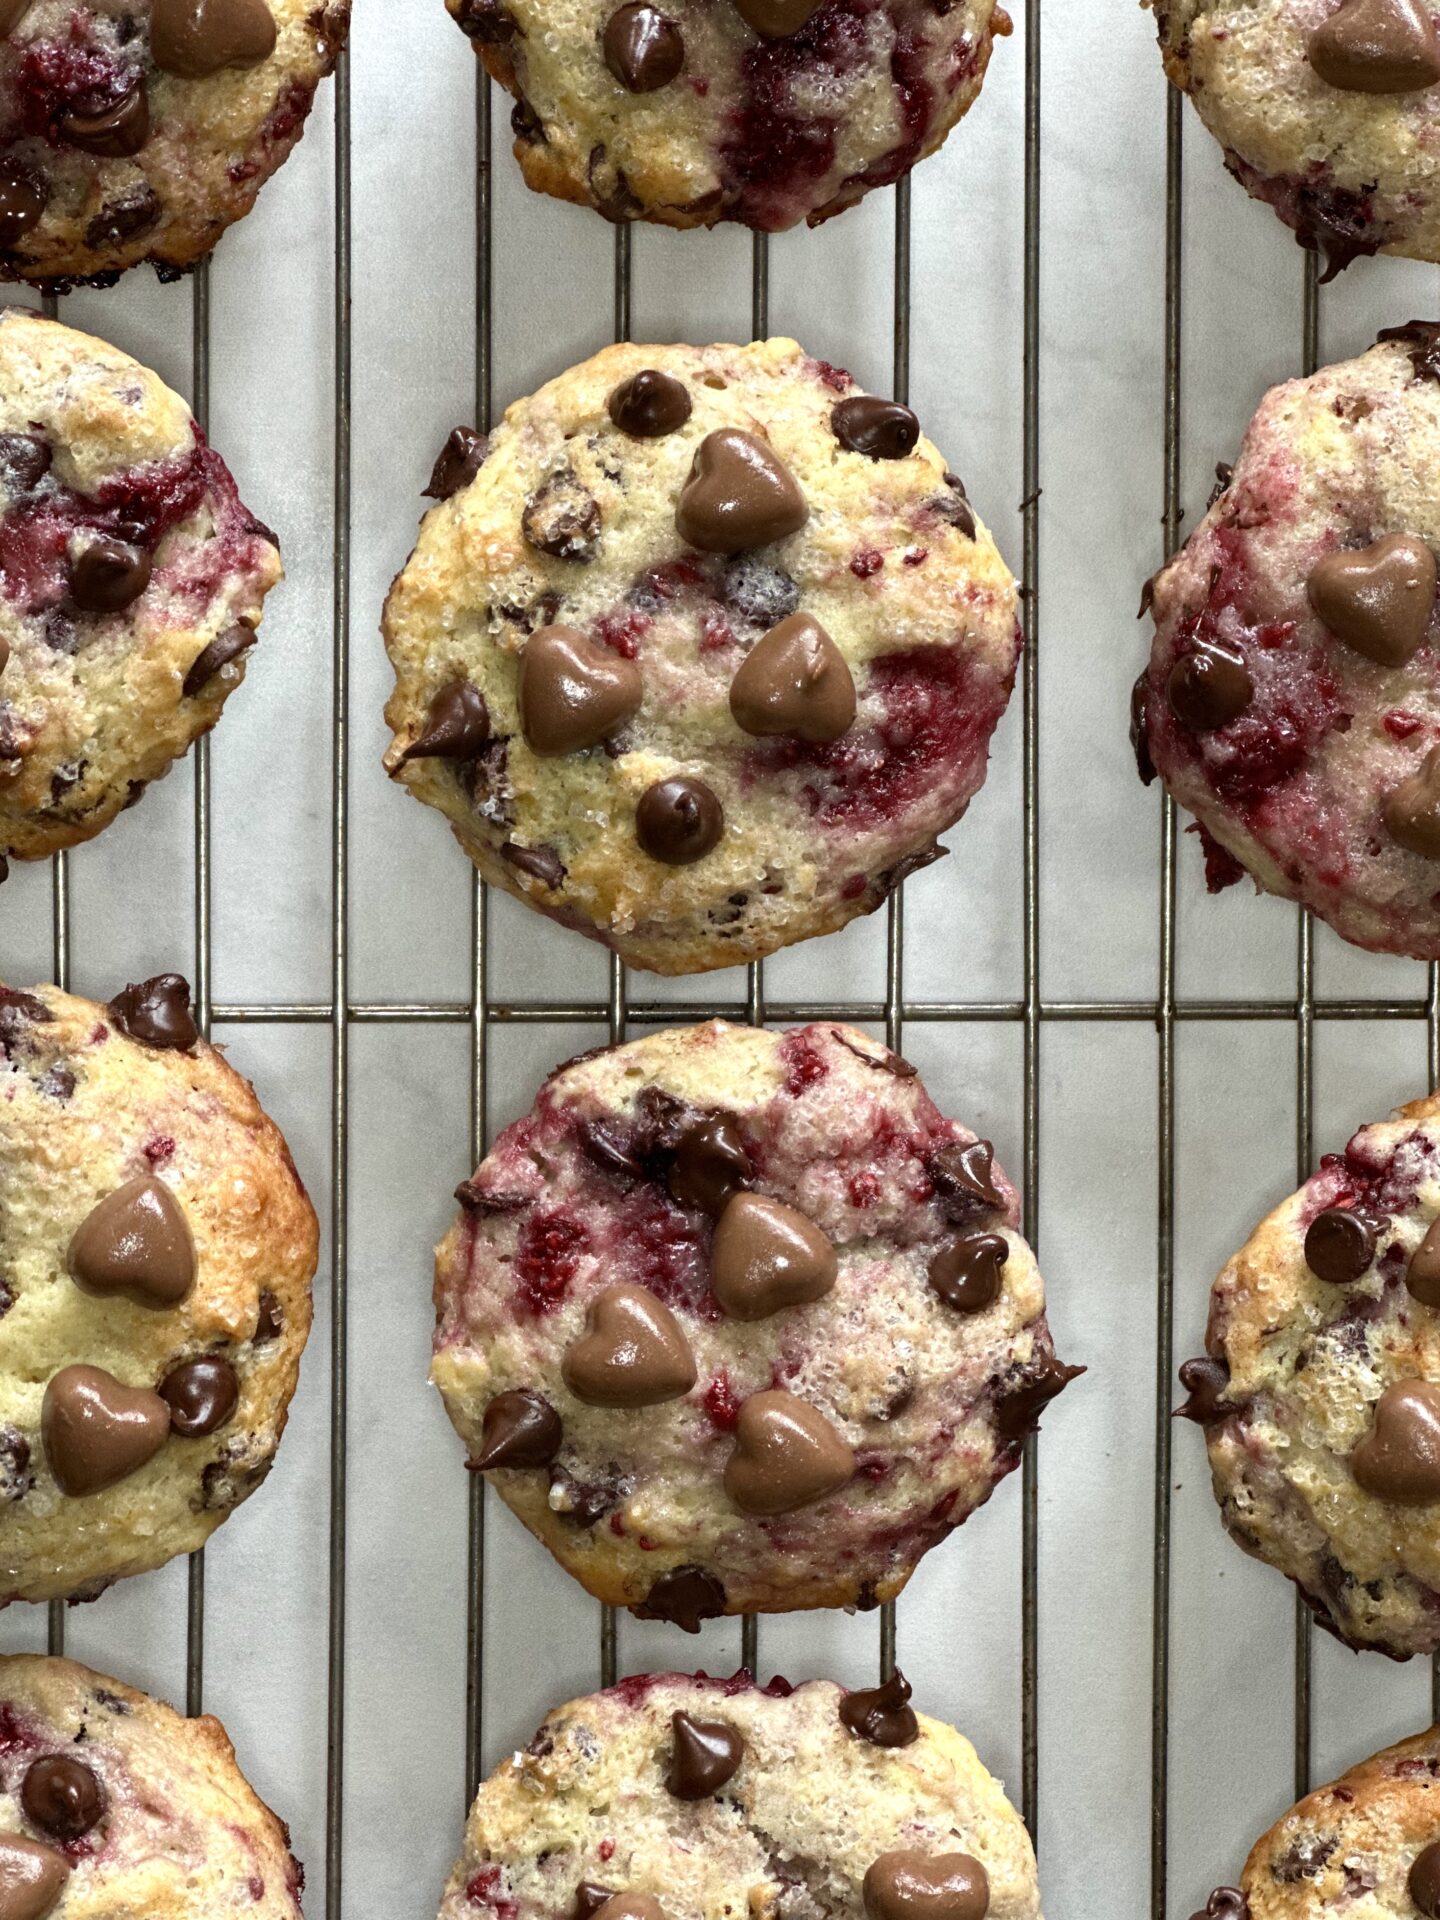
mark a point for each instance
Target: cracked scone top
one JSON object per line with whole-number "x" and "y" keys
{"x": 1292, "y": 700}
{"x": 672, "y": 1798}
{"x": 762, "y": 111}
{"x": 1319, "y": 1394}
{"x": 739, "y": 1321}
{"x": 156, "y": 1253}
{"x": 701, "y": 653}
{"x": 1328, "y": 111}
{"x": 131, "y": 583}
{"x": 113, "y": 1805}
{"x": 141, "y": 131}
{"x": 1368, "y": 1844}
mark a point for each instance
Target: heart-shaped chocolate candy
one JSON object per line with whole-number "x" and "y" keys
{"x": 1377, "y": 46}
{"x": 776, "y": 19}
{"x": 136, "y": 1242}
{"x": 1412, "y": 812}
{"x": 632, "y": 1354}
{"x": 97, "y": 1432}
{"x": 1379, "y": 600}
{"x": 1422, "y": 1276}
{"x": 1399, "y": 1459}
{"x": 787, "y": 1454}
{"x": 794, "y": 681}
{"x": 32, "y": 1878}
{"x": 740, "y": 494}
{"x": 574, "y": 692}
{"x": 195, "y": 38}
{"x": 767, "y": 1257}
{"x": 908, "y": 1885}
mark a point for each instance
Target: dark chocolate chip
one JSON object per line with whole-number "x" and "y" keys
{"x": 643, "y": 48}
{"x": 117, "y": 131}
{"x": 880, "y": 429}
{"x": 109, "y": 575}
{"x": 520, "y": 1429}
{"x": 270, "y": 1320}
{"x": 679, "y": 821}
{"x": 703, "y": 1756}
{"x": 882, "y": 1715}
{"x": 24, "y": 461}
{"x": 966, "y": 1272}
{"x": 1423, "y": 1881}
{"x": 123, "y": 218}
{"x": 1019, "y": 1412}
{"x": 562, "y": 518}
{"x": 1225, "y": 1903}
{"x": 487, "y": 21}
{"x": 156, "y": 1013}
{"x": 650, "y": 403}
{"x": 1422, "y": 338}
{"x": 683, "y": 1597}
{"x": 711, "y": 1165}
{"x": 201, "y": 1395}
{"x": 885, "y": 1062}
{"x": 23, "y": 195}
{"x": 1205, "y": 1381}
{"x": 589, "y": 1898}
{"x": 1339, "y": 1245}
{"x": 62, "y": 1797}
{"x": 964, "y": 1174}
{"x": 217, "y": 653}
{"x": 457, "y": 725}
{"x": 1209, "y": 688}
{"x": 461, "y": 458}
{"x": 540, "y": 863}
{"x": 1139, "y": 729}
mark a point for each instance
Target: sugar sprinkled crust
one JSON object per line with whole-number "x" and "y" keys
{"x": 97, "y": 455}
{"x": 213, "y": 139}
{"x": 1353, "y": 172}
{"x": 791, "y": 1834}
{"x": 892, "y": 562}
{"x": 768, "y": 131}
{"x": 85, "y": 1111}
{"x": 1296, "y": 786}
{"x": 580, "y": 1196}
{"x": 179, "y": 1830}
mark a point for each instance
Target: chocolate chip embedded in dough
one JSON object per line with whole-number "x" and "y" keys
{"x": 967, "y": 1271}
{"x": 461, "y": 458}
{"x": 704, "y": 1755}
{"x": 216, "y": 654}
{"x": 644, "y": 49}
{"x": 880, "y": 429}
{"x": 650, "y": 404}
{"x": 62, "y": 1796}
{"x": 1209, "y": 688}
{"x": 1422, "y": 1276}
{"x": 202, "y": 1394}
{"x": 117, "y": 132}
{"x": 1423, "y": 1881}
{"x": 520, "y": 1429}
{"x": 710, "y": 1165}
{"x": 457, "y": 725}
{"x": 678, "y": 821}
{"x": 684, "y": 1597}
{"x": 107, "y": 576}
{"x": 776, "y": 19}
{"x": 1340, "y": 1245}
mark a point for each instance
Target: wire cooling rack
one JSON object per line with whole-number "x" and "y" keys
{"x": 1084, "y": 312}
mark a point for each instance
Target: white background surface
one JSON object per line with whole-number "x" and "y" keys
{"x": 274, "y": 364}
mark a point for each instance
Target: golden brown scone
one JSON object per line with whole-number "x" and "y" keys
{"x": 140, "y": 131}
{"x": 842, "y": 1331}
{"x": 783, "y": 1804}
{"x": 1320, "y": 1392}
{"x": 684, "y": 114}
{"x": 114, "y": 1807}
{"x": 131, "y": 583}
{"x": 699, "y": 719}
{"x": 156, "y": 1253}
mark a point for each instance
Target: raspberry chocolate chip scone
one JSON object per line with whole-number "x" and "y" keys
{"x": 701, "y": 652}
{"x": 111, "y": 1803}
{"x": 140, "y": 132}
{"x": 131, "y": 584}
{"x": 1292, "y": 700}
{"x": 1328, "y": 111}
{"x": 672, "y": 1798}
{"x": 1319, "y": 1394}
{"x": 762, "y": 111}
{"x": 739, "y": 1321}
{"x": 1367, "y": 1844}
{"x": 155, "y": 1272}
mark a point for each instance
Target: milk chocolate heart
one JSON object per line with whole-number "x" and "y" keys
{"x": 1412, "y": 812}
{"x": 787, "y": 1454}
{"x": 1423, "y": 1881}
{"x": 767, "y": 1257}
{"x": 1422, "y": 1277}
{"x": 1377, "y": 46}
{"x": 12, "y": 12}
{"x": 703, "y": 1756}
{"x": 32, "y": 1878}
{"x": 1379, "y": 600}
{"x": 574, "y": 693}
{"x": 633, "y": 1353}
{"x": 740, "y": 494}
{"x": 97, "y": 1432}
{"x": 776, "y": 19}
{"x": 136, "y": 1242}
{"x": 1399, "y": 1459}
{"x": 908, "y": 1885}
{"x": 194, "y": 38}
{"x": 794, "y": 681}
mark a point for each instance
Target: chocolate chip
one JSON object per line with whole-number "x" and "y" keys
{"x": 908, "y": 1885}
{"x": 589, "y": 1898}
{"x": 1378, "y": 601}
{"x": 461, "y": 458}
{"x": 633, "y": 1352}
{"x": 1412, "y": 812}
{"x": 1225, "y": 1903}
{"x": 195, "y": 38}
{"x": 24, "y": 461}
{"x": 795, "y": 681}
{"x": 1209, "y": 688}
{"x": 1205, "y": 1381}
{"x": 886, "y": 1062}
{"x": 645, "y": 51}
{"x": 704, "y": 1755}
{"x": 679, "y": 821}
{"x": 1339, "y": 1245}
{"x": 135, "y": 1242}
{"x": 32, "y": 1878}
{"x": 457, "y": 725}
{"x": 1224, "y": 480}
{"x": 683, "y": 1597}
{"x": 488, "y": 22}
{"x": 650, "y": 404}
{"x": 740, "y": 494}
{"x": 109, "y": 575}
{"x": 62, "y": 1797}
{"x": 128, "y": 214}
{"x": 1422, "y": 1276}
{"x": 710, "y": 1164}
{"x": 768, "y": 1257}
{"x": 201, "y": 1395}
{"x": 776, "y": 19}
{"x": 562, "y": 518}
{"x": 16, "y": 1478}
{"x": 1423, "y": 1880}
{"x": 964, "y": 1175}
{"x": 759, "y": 592}
{"x": 1139, "y": 729}
{"x": 1019, "y": 1412}
{"x": 1422, "y": 337}
{"x": 156, "y": 1013}
{"x": 574, "y": 692}
{"x": 1399, "y": 1459}
{"x": 599, "y": 1143}
{"x": 520, "y": 1429}
{"x": 966, "y": 1272}
{"x": 217, "y": 653}
{"x": 540, "y": 863}
{"x": 882, "y": 1715}
{"x": 880, "y": 429}
{"x": 269, "y": 1322}
{"x": 23, "y": 196}
{"x": 117, "y": 131}
{"x": 1376, "y": 46}
{"x": 787, "y": 1455}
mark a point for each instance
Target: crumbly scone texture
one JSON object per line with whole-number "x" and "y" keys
{"x": 1349, "y": 1846}
{"x": 83, "y": 1111}
{"x": 1308, "y": 1361}
{"x": 1352, "y": 173}
{"x": 815, "y": 834}
{"x": 213, "y": 142}
{"x": 768, "y": 132}
{"x": 1294, "y": 787}
{"x": 184, "y": 1836}
{"x": 93, "y": 705}
{"x": 789, "y": 1837}
{"x": 918, "y": 1390}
